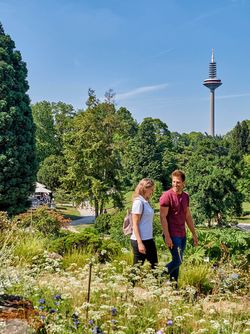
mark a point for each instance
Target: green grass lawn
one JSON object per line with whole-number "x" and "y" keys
{"x": 68, "y": 211}
{"x": 128, "y": 200}
{"x": 127, "y": 203}
{"x": 82, "y": 227}
{"x": 246, "y": 207}
{"x": 245, "y": 218}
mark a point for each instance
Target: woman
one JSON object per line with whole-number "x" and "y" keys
{"x": 142, "y": 216}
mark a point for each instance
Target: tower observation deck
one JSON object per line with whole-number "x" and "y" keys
{"x": 212, "y": 83}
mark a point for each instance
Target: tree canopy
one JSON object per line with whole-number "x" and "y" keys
{"x": 17, "y": 132}
{"x": 92, "y": 154}
{"x": 212, "y": 175}
{"x": 52, "y": 121}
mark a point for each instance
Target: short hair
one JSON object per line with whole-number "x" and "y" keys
{"x": 179, "y": 173}
{"x": 142, "y": 186}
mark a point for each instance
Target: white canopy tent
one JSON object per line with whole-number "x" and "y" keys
{"x": 41, "y": 189}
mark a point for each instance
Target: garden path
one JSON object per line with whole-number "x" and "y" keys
{"x": 244, "y": 227}
{"x": 87, "y": 216}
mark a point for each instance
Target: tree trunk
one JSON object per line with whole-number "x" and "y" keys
{"x": 101, "y": 206}
{"x": 219, "y": 219}
{"x": 96, "y": 208}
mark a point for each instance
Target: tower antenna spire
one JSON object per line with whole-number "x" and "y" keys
{"x": 212, "y": 83}
{"x": 212, "y": 59}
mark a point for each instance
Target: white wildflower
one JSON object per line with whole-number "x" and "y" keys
{"x": 201, "y": 321}
{"x": 214, "y": 324}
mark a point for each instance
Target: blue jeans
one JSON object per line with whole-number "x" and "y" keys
{"x": 179, "y": 244}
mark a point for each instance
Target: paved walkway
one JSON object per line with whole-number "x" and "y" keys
{"x": 244, "y": 227}
{"x": 87, "y": 216}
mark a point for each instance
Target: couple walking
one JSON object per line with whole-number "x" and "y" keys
{"x": 174, "y": 215}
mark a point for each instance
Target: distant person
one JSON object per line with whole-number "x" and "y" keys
{"x": 142, "y": 216}
{"x": 52, "y": 203}
{"x": 174, "y": 214}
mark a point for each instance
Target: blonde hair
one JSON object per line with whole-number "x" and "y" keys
{"x": 142, "y": 186}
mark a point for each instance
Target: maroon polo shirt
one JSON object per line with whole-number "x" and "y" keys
{"x": 177, "y": 204}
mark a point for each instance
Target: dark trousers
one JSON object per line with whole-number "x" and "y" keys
{"x": 179, "y": 244}
{"x": 151, "y": 252}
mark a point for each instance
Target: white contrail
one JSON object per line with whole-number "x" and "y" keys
{"x": 140, "y": 90}
{"x": 231, "y": 96}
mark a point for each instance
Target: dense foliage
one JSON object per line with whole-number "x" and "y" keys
{"x": 93, "y": 156}
{"x": 52, "y": 123}
{"x": 17, "y": 131}
{"x": 212, "y": 288}
{"x": 43, "y": 220}
{"x": 100, "y": 153}
{"x": 212, "y": 176}
{"x": 90, "y": 242}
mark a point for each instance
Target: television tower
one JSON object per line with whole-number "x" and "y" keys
{"x": 212, "y": 83}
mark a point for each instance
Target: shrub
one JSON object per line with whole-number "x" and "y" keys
{"x": 71, "y": 241}
{"x": 198, "y": 276}
{"x": 108, "y": 250}
{"x": 75, "y": 257}
{"x": 102, "y": 223}
{"x": 157, "y": 230}
{"x": 4, "y": 221}
{"x": 8, "y": 230}
{"x": 88, "y": 242}
{"x": 195, "y": 255}
{"x": 28, "y": 247}
{"x": 116, "y": 232}
{"x": 225, "y": 242}
{"x": 43, "y": 219}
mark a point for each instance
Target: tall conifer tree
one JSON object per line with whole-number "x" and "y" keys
{"x": 17, "y": 142}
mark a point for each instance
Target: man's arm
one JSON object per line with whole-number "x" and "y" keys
{"x": 190, "y": 224}
{"x": 164, "y": 225}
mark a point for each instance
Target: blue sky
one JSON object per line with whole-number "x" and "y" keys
{"x": 153, "y": 53}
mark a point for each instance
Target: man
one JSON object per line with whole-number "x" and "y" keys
{"x": 174, "y": 213}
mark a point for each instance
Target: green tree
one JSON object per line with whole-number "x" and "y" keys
{"x": 146, "y": 150}
{"x": 238, "y": 143}
{"x": 52, "y": 122}
{"x": 239, "y": 138}
{"x": 244, "y": 182}
{"x": 128, "y": 130}
{"x": 51, "y": 171}
{"x": 129, "y": 126}
{"x": 17, "y": 142}
{"x": 158, "y": 190}
{"x": 45, "y": 131}
{"x": 62, "y": 114}
{"x": 212, "y": 176}
{"x": 183, "y": 147}
{"x": 145, "y": 153}
{"x": 92, "y": 153}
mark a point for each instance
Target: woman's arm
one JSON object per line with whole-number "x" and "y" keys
{"x": 136, "y": 218}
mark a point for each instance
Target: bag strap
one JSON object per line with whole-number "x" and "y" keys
{"x": 142, "y": 210}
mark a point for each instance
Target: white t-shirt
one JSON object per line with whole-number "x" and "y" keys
{"x": 146, "y": 222}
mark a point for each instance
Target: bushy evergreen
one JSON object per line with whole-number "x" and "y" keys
{"x": 88, "y": 241}
{"x": 17, "y": 143}
{"x": 102, "y": 223}
{"x": 46, "y": 221}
